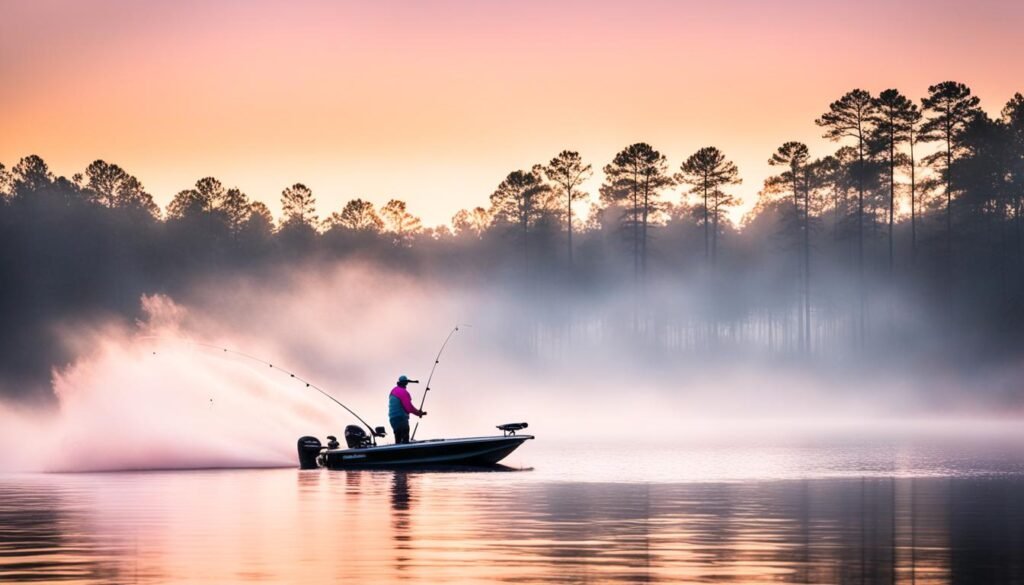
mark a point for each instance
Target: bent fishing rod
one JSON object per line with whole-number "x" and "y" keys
{"x": 437, "y": 360}
{"x": 280, "y": 369}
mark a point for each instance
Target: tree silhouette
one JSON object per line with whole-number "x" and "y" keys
{"x": 357, "y": 216}
{"x": 104, "y": 181}
{"x": 893, "y": 121}
{"x": 637, "y": 175}
{"x": 831, "y": 177}
{"x": 794, "y": 157}
{"x": 984, "y": 171}
{"x": 706, "y": 172}
{"x": 850, "y": 117}
{"x": 298, "y": 206}
{"x": 31, "y": 174}
{"x": 475, "y": 221}
{"x": 913, "y": 121}
{"x": 398, "y": 221}
{"x": 1013, "y": 117}
{"x": 187, "y": 203}
{"x": 237, "y": 210}
{"x": 951, "y": 106}
{"x": 567, "y": 172}
{"x": 110, "y": 186}
{"x": 260, "y": 217}
{"x": 6, "y": 183}
{"x": 211, "y": 192}
{"x": 521, "y": 199}
{"x": 204, "y": 198}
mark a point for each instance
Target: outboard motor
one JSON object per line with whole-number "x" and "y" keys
{"x": 309, "y": 450}
{"x": 356, "y": 437}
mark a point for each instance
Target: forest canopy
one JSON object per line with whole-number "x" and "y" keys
{"x": 918, "y": 210}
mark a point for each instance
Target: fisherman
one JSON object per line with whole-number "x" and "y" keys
{"x": 400, "y": 407}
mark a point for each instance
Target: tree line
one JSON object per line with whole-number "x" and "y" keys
{"x": 918, "y": 211}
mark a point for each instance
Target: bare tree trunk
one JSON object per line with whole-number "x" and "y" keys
{"x": 860, "y": 239}
{"x": 892, "y": 191}
{"x": 643, "y": 234}
{"x": 801, "y": 310}
{"x": 1020, "y": 232}
{"x": 707, "y": 250}
{"x": 526, "y": 244}
{"x": 636, "y": 234}
{"x": 913, "y": 203}
{"x": 807, "y": 271}
{"x": 1017, "y": 220}
{"x": 949, "y": 198}
{"x": 636, "y": 255}
{"x": 714, "y": 237}
{"x": 568, "y": 193}
{"x": 835, "y": 213}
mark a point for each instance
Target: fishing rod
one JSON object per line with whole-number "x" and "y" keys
{"x": 437, "y": 360}
{"x": 280, "y": 369}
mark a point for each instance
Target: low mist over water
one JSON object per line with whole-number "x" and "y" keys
{"x": 162, "y": 392}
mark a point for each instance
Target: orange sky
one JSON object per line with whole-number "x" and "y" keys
{"x": 435, "y": 102}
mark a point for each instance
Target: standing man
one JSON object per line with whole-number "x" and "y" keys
{"x": 400, "y": 407}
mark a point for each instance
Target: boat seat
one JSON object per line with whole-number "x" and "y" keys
{"x": 511, "y": 428}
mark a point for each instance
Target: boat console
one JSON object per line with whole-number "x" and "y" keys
{"x": 356, "y": 437}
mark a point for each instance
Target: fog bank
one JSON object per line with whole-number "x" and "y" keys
{"x": 143, "y": 395}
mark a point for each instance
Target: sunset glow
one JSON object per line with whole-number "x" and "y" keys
{"x": 436, "y": 102}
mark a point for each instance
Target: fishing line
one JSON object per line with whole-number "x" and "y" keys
{"x": 437, "y": 360}
{"x": 271, "y": 365}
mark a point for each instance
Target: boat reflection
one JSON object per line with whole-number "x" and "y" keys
{"x": 293, "y": 526}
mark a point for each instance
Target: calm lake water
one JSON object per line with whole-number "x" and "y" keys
{"x": 887, "y": 511}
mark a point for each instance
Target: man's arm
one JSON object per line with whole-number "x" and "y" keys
{"x": 406, "y": 400}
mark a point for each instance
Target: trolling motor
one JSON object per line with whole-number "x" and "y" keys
{"x": 509, "y": 429}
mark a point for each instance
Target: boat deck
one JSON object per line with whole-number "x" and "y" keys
{"x": 460, "y": 451}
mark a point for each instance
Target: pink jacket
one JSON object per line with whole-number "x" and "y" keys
{"x": 405, "y": 399}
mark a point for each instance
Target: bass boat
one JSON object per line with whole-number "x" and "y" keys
{"x": 362, "y": 450}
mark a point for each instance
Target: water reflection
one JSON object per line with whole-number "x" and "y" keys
{"x": 287, "y": 525}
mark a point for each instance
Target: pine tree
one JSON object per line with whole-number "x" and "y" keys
{"x": 298, "y": 206}
{"x": 567, "y": 172}
{"x": 893, "y": 118}
{"x": 950, "y": 107}
{"x": 636, "y": 176}
{"x": 850, "y": 117}
{"x": 706, "y": 172}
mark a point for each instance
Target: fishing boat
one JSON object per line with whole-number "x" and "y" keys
{"x": 362, "y": 450}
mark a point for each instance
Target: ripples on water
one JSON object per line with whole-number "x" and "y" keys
{"x": 868, "y": 514}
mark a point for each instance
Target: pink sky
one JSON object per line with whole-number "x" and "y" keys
{"x": 435, "y": 102}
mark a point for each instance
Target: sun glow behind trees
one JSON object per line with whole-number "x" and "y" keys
{"x": 435, "y": 103}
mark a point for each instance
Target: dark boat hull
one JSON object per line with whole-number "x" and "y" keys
{"x": 472, "y": 451}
